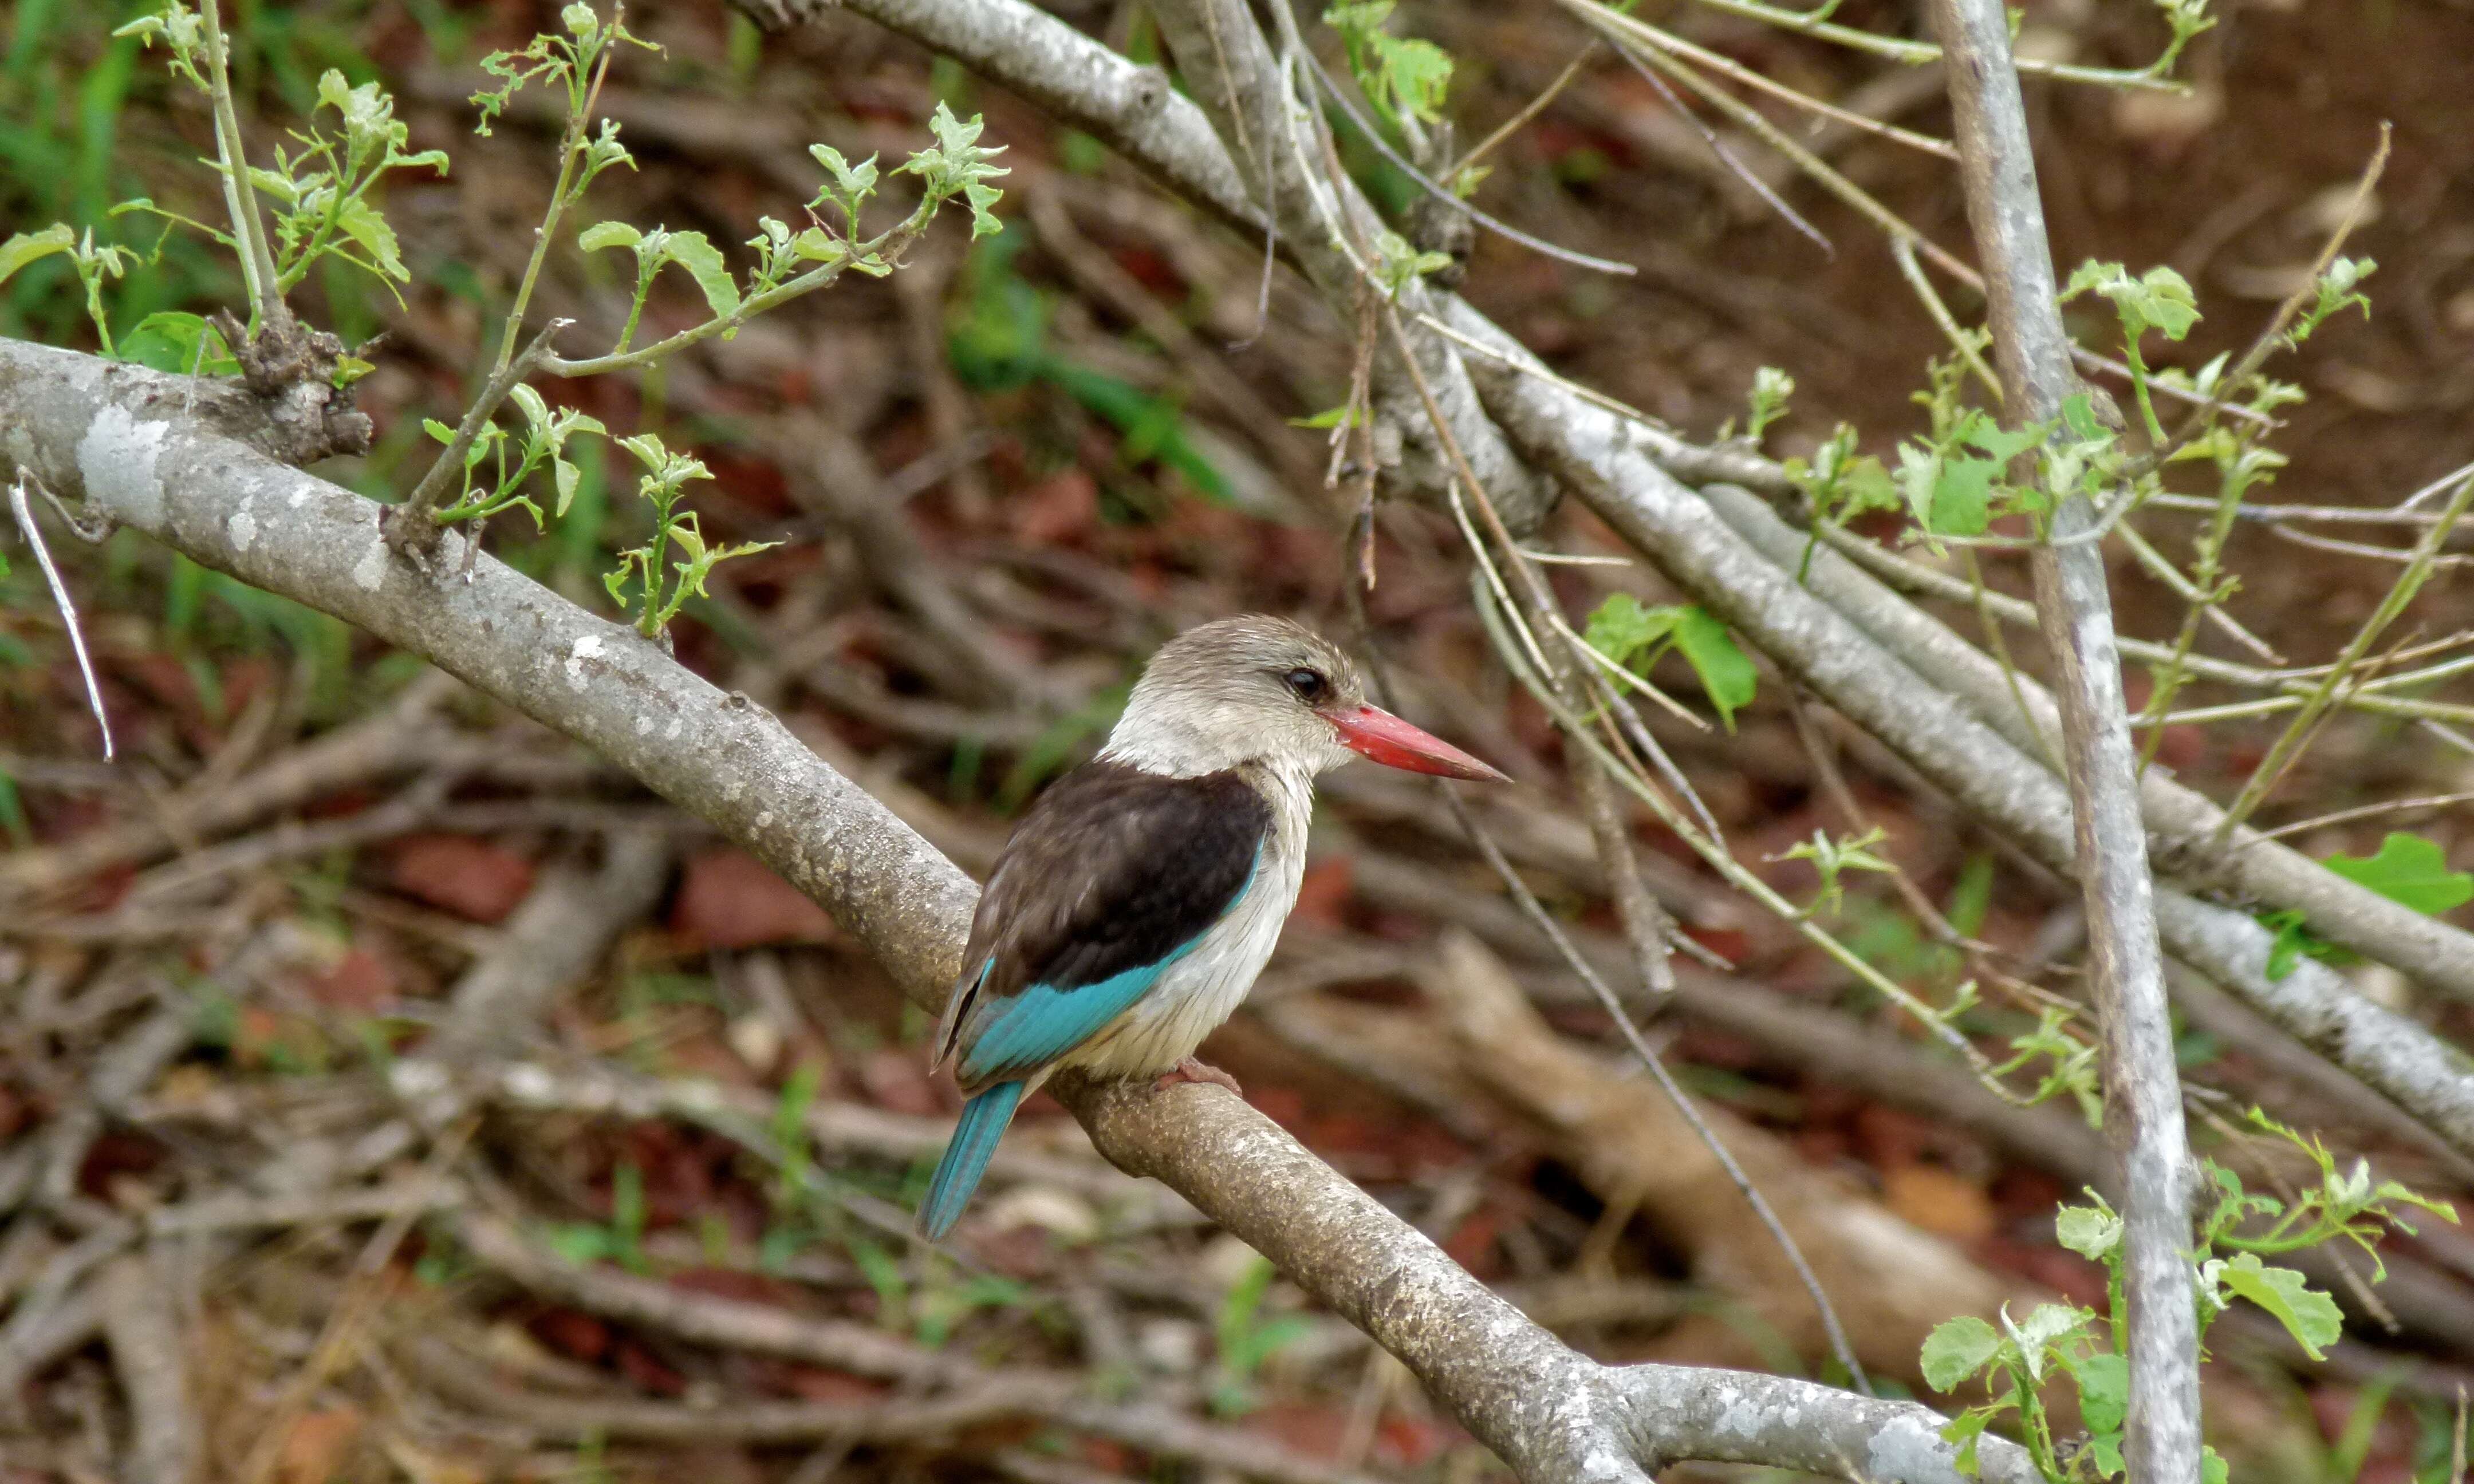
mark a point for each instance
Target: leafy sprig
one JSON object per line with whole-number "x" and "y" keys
{"x": 662, "y": 586}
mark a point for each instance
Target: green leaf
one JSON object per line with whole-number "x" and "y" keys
{"x": 31, "y": 247}
{"x": 608, "y": 235}
{"x": 361, "y": 222}
{"x": 1400, "y": 74}
{"x": 1962, "y": 497}
{"x": 703, "y": 262}
{"x": 2212, "y": 1467}
{"x": 1967, "y": 1430}
{"x": 2310, "y": 1316}
{"x": 2411, "y": 871}
{"x": 2091, "y": 1231}
{"x": 852, "y": 185}
{"x": 2294, "y": 943}
{"x": 168, "y": 341}
{"x": 1622, "y": 627}
{"x": 1724, "y": 672}
{"x": 1331, "y": 417}
{"x": 1956, "y": 1349}
{"x": 2104, "y": 1391}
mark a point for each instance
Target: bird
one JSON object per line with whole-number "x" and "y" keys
{"x": 1140, "y": 895}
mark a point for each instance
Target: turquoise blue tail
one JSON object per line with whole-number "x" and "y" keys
{"x": 966, "y": 1158}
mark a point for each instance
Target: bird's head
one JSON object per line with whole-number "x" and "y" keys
{"x": 1256, "y": 689}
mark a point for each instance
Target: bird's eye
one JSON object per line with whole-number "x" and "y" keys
{"x": 1308, "y": 685}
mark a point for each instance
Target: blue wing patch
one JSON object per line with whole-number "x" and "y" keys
{"x": 1026, "y": 1031}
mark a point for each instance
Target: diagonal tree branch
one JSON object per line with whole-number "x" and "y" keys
{"x": 117, "y": 437}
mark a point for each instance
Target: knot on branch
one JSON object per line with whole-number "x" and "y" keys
{"x": 290, "y": 372}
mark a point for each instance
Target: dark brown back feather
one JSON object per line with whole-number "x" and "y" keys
{"x": 1112, "y": 869}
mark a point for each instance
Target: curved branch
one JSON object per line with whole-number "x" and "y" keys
{"x": 115, "y": 435}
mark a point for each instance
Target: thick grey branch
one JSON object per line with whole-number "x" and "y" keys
{"x": 115, "y": 435}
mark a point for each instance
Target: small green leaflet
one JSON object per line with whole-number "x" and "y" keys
{"x": 1635, "y": 635}
{"x": 28, "y": 247}
{"x": 2408, "y": 870}
{"x": 1400, "y": 74}
{"x": 2089, "y": 1231}
{"x": 2159, "y": 300}
{"x": 1956, "y": 1349}
{"x": 2310, "y": 1316}
{"x": 2104, "y": 1394}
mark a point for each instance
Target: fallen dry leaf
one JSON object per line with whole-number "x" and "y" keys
{"x": 730, "y": 899}
{"x": 459, "y": 874}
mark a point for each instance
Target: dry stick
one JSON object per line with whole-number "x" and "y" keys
{"x": 33, "y": 535}
{"x": 2365, "y": 812}
{"x": 1373, "y": 136}
{"x": 1918, "y": 53}
{"x": 1528, "y": 111}
{"x": 363, "y": 1292}
{"x": 2288, "y": 747}
{"x": 2142, "y": 1086}
{"x": 1752, "y": 180}
{"x": 1595, "y": 15}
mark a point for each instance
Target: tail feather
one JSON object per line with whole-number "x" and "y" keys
{"x": 966, "y": 1158}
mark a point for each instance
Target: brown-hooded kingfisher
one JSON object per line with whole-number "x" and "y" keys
{"x": 1140, "y": 896}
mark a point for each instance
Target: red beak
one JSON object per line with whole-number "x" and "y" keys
{"x": 1376, "y": 733}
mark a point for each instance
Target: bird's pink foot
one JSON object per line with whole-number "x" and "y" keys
{"x": 1191, "y": 1071}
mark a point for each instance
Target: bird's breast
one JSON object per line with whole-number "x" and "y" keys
{"x": 1204, "y": 986}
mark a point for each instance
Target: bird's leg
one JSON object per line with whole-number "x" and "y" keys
{"x": 1188, "y": 1069}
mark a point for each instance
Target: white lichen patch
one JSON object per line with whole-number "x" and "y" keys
{"x": 368, "y": 574}
{"x": 765, "y": 819}
{"x": 242, "y": 527}
{"x": 116, "y": 459}
{"x": 586, "y": 648}
{"x": 1907, "y": 1448}
{"x": 644, "y": 726}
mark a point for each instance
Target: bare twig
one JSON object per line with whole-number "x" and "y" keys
{"x": 33, "y": 535}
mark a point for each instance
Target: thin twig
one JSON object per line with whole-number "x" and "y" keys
{"x": 2288, "y": 747}
{"x": 2366, "y": 811}
{"x": 1752, "y": 182}
{"x": 1374, "y": 135}
{"x": 1530, "y": 110}
{"x": 33, "y": 535}
{"x": 1602, "y": 17}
